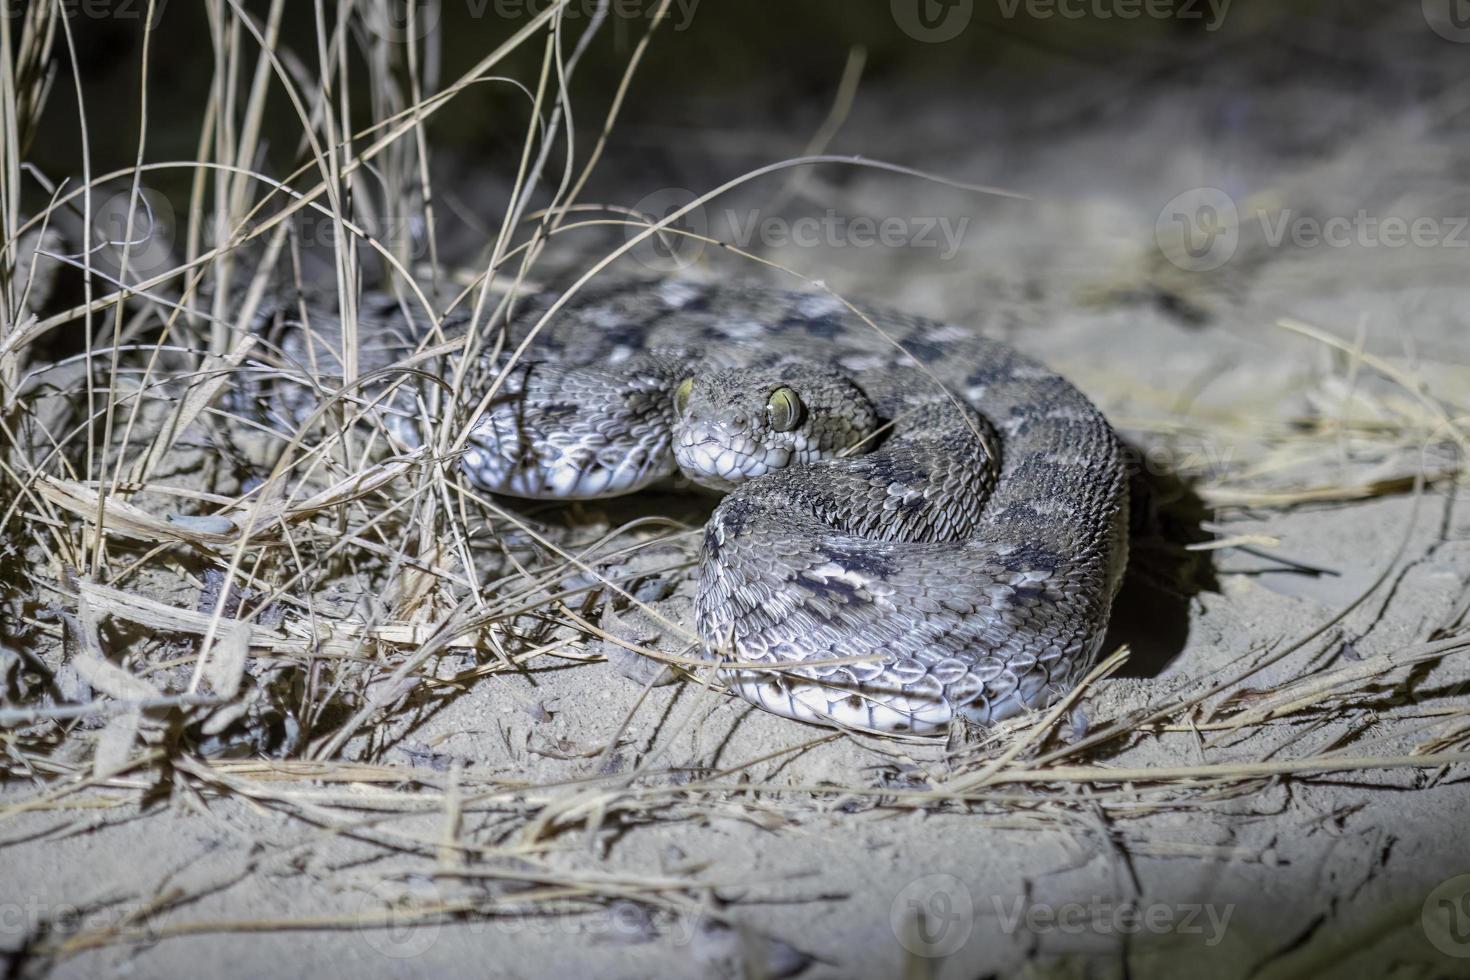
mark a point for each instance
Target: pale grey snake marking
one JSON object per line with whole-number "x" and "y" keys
{"x": 970, "y": 546}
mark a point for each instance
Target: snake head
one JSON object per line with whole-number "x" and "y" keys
{"x": 735, "y": 425}
{"x": 579, "y": 433}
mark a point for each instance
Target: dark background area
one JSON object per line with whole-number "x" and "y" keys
{"x": 730, "y": 79}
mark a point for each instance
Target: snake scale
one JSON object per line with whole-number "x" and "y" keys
{"x": 919, "y": 524}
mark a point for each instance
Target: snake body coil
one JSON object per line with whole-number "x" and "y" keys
{"x": 922, "y": 523}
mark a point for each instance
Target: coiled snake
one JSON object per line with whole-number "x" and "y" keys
{"x": 926, "y": 524}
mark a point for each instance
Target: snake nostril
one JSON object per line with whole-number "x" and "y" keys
{"x": 740, "y": 421}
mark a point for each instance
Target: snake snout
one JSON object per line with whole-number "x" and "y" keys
{"x": 503, "y": 455}
{"x": 720, "y": 453}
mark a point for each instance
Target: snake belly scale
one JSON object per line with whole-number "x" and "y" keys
{"x": 920, "y": 525}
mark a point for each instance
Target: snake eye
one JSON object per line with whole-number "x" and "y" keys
{"x": 784, "y": 410}
{"x": 681, "y": 395}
